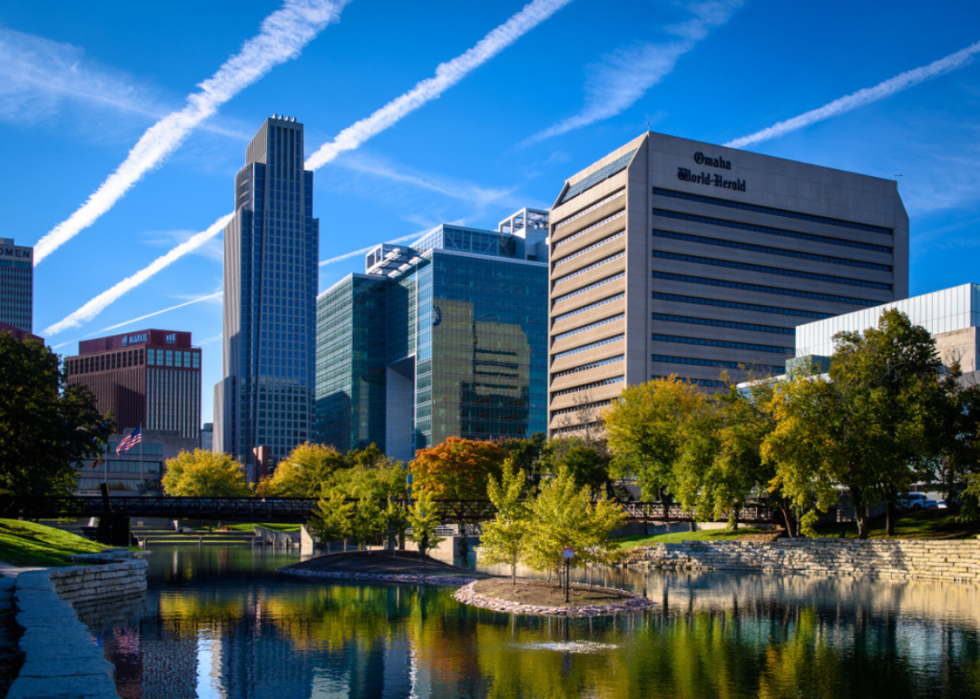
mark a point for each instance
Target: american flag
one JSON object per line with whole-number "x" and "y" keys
{"x": 131, "y": 441}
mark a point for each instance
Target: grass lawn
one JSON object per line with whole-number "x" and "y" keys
{"x": 26, "y": 543}
{"x": 924, "y": 524}
{"x": 632, "y": 542}
{"x": 250, "y": 527}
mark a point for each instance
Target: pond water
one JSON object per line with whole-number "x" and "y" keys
{"x": 220, "y": 622}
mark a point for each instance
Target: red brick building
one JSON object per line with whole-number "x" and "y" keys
{"x": 150, "y": 378}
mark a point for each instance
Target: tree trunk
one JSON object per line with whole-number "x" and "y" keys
{"x": 790, "y": 522}
{"x": 890, "y": 516}
{"x": 694, "y": 526}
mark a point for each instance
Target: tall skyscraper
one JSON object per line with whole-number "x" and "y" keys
{"x": 271, "y": 255}
{"x": 445, "y": 337}
{"x": 671, "y": 256}
{"x": 16, "y": 285}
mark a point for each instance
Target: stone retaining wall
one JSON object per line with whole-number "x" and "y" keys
{"x": 950, "y": 561}
{"x": 60, "y": 659}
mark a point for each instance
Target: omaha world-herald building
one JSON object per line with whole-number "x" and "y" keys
{"x": 444, "y": 337}
{"x": 671, "y": 256}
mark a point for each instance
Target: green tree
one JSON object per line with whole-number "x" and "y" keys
{"x": 304, "y": 472}
{"x": 643, "y": 427}
{"x": 423, "y": 518}
{"x": 205, "y": 474}
{"x": 563, "y": 516}
{"x": 525, "y": 452}
{"x": 331, "y": 520}
{"x": 504, "y": 540}
{"x": 46, "y": 425}
{"x": 588, "y": 463}
{"x": 373, "y": 483}
{"x": 872, "y": 427}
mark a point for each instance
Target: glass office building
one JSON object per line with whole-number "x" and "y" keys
{"x": 271, "y": 254}
{"x": 445, "y": 337}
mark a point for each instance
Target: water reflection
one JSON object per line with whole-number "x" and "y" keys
{"x": 221, "y": 623}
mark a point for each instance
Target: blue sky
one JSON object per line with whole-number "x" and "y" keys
{"x": 571, "y": 80}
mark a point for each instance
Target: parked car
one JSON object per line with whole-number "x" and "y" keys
{"x": 917, "y": 501}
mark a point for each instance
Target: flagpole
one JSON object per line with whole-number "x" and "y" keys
{"x": 141, "y": 459}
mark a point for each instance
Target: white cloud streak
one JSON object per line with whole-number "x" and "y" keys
{"x": 362, "y": 251}
{"x": 860, "y": 98}
{"x": 41, "y": 77}
{"x": 447, "y": 74}
{"x": 615, "y": 84}
{"x": 103, "y": 300}
{"x": 199, "y": 299}
{"x": 283, "y": 36}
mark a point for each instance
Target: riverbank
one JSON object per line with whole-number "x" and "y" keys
{"x": 382, "y": 566}
{"x": 890, "y": 559}
{"x": 29, "y": 544}
{"x": 542, "y": 598}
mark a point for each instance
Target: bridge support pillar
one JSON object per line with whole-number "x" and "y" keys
{"x": 113, "y": 530}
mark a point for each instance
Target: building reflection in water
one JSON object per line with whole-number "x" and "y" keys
{"x": 246, "y": 632}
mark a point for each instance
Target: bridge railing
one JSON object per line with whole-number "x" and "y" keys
{"x": 253, "y": 509}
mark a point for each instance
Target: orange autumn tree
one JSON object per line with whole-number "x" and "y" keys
{"x": 457, "y": 469}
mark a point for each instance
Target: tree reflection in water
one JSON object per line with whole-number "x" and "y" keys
{"x": 222, "y": 624}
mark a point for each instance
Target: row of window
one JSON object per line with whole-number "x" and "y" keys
{"x": 590, "y": 307}
{"x": 589, "y": 229}
{"x": 721, "y": 343}
{"x": 771, "y": 251}
{"x": 738, "y": 305}
{"x": 591, "y": 326}
{"x": 590, "y": 287}
{"x": 588, "y": 386}
{"x": 594, "y": 265}
{"x": 590, "y": 248}
{"x": 722, "y": 323}
{"x": 590, "y": 365}
{"x": 174, "y": 358}
{"x": 707, "y": 383}
{"x": 588, "y": 407}
{"x": 586, "y": 210}
{"x": 769, "y": 210}
{"x": 715, "y": 363}
{"x": 765, "y": 269}
{"x": 763, "y": 289}
{"x": 586, "y": 348}
{"x": 772, "y": 231}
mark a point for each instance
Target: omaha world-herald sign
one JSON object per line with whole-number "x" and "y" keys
{"x": 708, "y": 179}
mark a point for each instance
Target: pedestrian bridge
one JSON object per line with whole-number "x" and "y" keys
{"x": 257, "y": 509}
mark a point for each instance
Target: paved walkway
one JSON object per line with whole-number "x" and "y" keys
{"x": 9, "y": 570}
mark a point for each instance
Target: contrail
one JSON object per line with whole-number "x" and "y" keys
{"x": 103, "y": 300}
{"x": 156, "y": 313}
{"x": 283, "y": 36}
{"x": 345, "y": 256}
{"x": 447, "y": 75}
{"x": 860, "y": 98}
{"x": 148, "y": 315}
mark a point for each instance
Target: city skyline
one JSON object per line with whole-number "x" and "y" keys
{"x": 565, "y": 91}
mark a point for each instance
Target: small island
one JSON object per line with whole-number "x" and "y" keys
{"x": 542, "y": 598}
{"x": 384, "y": 566}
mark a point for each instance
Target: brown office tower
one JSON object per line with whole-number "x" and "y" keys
{"x": 150, "y": 378}
{"x": 671, "y": 256}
